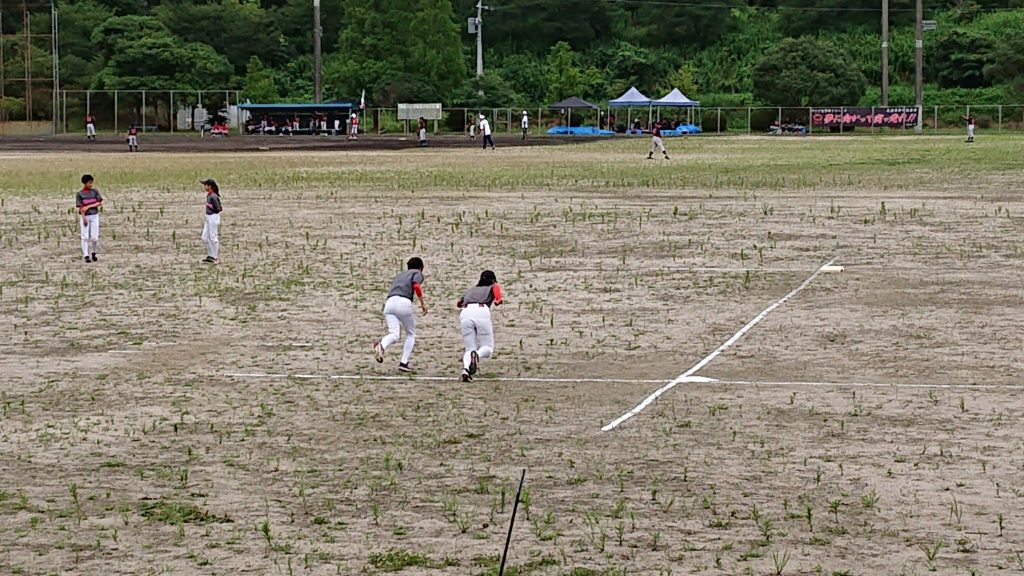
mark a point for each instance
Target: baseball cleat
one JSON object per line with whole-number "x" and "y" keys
{"x": 208, "y": 259}
{"x": 87, "y": 259}
{"x": 405, "y": 368}
{"x": 466, "y": 376}
{"x": 474, "y": 359}
{"x": 94, "y": 258}
{"x": 378, "y": 351}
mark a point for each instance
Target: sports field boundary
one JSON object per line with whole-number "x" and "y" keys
{"x": 689, "y": 374}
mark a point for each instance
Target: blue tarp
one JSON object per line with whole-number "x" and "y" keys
{"x": 681, "y": 130}
{"x": 632, "y": 97}
{"x": 579, "y": 131}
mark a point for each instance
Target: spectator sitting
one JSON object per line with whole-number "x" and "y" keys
{"x": 286, "y": 128}
{"x": 219, "y": 129}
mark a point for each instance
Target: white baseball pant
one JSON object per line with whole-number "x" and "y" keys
{"x": 970, "y": 131}
{"x": 398, "y": 314}
{"x": 90, "y": 129}
{"x": 477, "y": 332}
{"x": 90, "y": 226}
{"x": 657, "y": 144}
{"x": 210, "y": 237}
{"x": 133, "y": 141}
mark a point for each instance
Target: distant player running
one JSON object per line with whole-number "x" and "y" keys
{"x": 656, "y": 142}
{"x": 88, "y": 201}
{"x": 398, "y": 312}
{"x": 133, "y": 139}
{"x": 212, "y": 225}
{"x": 475, "y": 321}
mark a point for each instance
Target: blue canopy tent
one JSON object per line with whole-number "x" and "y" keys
{"x": 676, "y": 99}
{"x": 633, "y": 98}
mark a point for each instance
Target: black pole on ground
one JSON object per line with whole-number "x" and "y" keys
{"x": 511, "y": 524}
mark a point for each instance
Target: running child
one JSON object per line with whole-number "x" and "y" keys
{"x": 212, "y": 225}
{"x": 398, "y": 312}
{"x": 88, "y": 201}
{"x": 656, "y": 142}
{"x": 475, "y": 320}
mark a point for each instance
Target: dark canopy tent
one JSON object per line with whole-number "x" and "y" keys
{"x": 573, "y": 103}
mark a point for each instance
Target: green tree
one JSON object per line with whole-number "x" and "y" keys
{"x": 959, "y": 57}
{"x": 139, "y": 53}
{"x": 1006, "y": 66}
{"x": 563, "y": 72}
{"x": 398, "y": 50}
{"x": 258, "y": 84}
{"x": 238, "y": 29}
{"x": 803, "y": 72}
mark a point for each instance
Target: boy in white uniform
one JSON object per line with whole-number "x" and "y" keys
{"x": 88, "y": 201}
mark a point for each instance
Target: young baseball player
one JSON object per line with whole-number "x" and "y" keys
{"x": 88, "y": 201}
{"x": 485, "y": 131}
{"x": 421, "y": 131}
{"x": 133, "y": 139}
{"x": 471, "y": 130}
{"x": 656, "y": 143}
{"x": 475, "y": 319}
{"x": 353, "y": 133}
{"x": 525, "y": 124}
{"x": 90, "y": 127}
{"x": 398, "y": 312}
{"x": 213, "y": 210}
{"x": 970, "y": 127}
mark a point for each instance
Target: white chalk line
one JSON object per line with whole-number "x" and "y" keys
{"x": 806, "y": 384}
{"x": 351, "y": 377}
{"x": 685, "y": 376}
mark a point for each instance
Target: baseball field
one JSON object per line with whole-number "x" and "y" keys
{"x": 687, "y": 388}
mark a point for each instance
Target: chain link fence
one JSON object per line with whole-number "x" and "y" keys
{"x": 195, "y": 111}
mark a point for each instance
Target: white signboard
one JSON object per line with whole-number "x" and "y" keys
{"x": 415, "y": 111}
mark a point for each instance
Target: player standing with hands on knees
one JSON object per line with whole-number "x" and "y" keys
{"x": 88, "y": 201}
{"x": 475, "y": 320}
{"x": 210, "y": 229}
{"x": 398, "y": 312}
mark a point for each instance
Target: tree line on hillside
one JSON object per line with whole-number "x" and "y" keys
{"x": 725, "y": 53}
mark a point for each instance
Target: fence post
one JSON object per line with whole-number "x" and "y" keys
{"x": 170, "y": 113}
{"x": 935, "y": 126}
{"x": 718, "y": 125}
{"x": 143, "y": 111}
{"x": 88, "y": 101}
{"x": 115, "y": 111}
{"x": 65, "y": 114}
{"x": 810, "y": 121}
{"x": 748, "y": 120}
{"x": 1000, "y": 130}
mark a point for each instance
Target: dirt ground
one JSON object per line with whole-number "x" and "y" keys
{"x": 160, "y": 416}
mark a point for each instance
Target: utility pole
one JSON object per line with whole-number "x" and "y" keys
{"x": 317, "y": 33}
{"x": 885, "y": 52}
{"x": 479, "y": 39}
{"x": 919, "y": 64}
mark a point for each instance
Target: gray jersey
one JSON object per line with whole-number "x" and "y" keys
{"x": 88, "y": 198}
{"x": 402, "y": 284}
{"x": 480, "y": 295}
{"x": 213, "y": 205}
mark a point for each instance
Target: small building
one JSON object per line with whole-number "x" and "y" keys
{"x": 292, "y": 118}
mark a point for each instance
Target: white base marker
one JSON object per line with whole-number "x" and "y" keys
{"x": 685, "y": 376}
